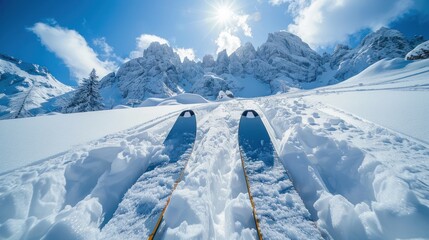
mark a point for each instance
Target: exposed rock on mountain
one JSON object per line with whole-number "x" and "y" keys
{"x": 159, "y": 73}
{"x": 419, "y": 52}
{"x": 291, "y": 57}
{"x": 384, "y": 43}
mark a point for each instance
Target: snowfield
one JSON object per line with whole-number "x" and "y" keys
{"x": 361, "y": 174}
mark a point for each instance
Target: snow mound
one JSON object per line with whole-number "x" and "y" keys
{"x": 184, "y": 98}
{"x": 419, "y": 52}
{"x": 64, "y": 131}
{"x": 353, "y": 176}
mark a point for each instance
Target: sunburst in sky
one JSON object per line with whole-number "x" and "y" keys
{"x": 224, "y": 13}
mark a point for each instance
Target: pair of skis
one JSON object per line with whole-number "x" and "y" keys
{"x": 278, "y": 211}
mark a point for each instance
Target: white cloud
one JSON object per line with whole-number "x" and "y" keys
{"x": 185, "y": 53}
{"x": 256, "y": 16}
{"x": 107, "y": 51}
{"x": 72, "y": 48}
{"x": 143, "y": 42}
{"x": 326, "y": 22}
{"x": 101, "y": 43}
{"x": 227, "y": 41}
{"x": 241, "y": 21}
{"x": 277, "y": 2}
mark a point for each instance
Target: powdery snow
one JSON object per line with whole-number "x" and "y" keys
{"x": 392, "y": 93}
{"x": 357, "y": 179}
{"x": 24, "y": 141}
{"x": 184, "y": 98}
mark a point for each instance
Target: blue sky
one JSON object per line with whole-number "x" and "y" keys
{"x": 72, "y": 37}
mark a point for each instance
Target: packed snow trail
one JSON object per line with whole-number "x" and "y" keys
{"x": 212, "y": 202}
{"x": 145, "y": 203}
{"x": 278, "y": 208}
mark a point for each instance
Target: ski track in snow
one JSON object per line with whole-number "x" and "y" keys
{"x": 69, "y": 196}
{"x": 352, "y": 174}
{"x": 213, "y": 189}
{"x": 280, "y": 211}
{"x": 357, "y": 179}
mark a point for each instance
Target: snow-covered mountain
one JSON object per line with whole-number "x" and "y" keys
{"x": 384, "y": 43}
{"x": 25, "y": 87}
{"x": 283, "y": 61}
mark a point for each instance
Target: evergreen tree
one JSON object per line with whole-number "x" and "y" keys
{"x": 87, "y": 97}
{"x": 21, "y": 102}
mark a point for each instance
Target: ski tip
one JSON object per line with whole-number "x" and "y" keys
{"x": 187, "y": 113}
{"x": 250, "y": 114}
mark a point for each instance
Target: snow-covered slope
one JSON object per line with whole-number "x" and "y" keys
{"x": 392, "y": 93}
{"x": 359, "y": 176}
{"x": 64, "y": 131}
{"x": 25, "y": 87}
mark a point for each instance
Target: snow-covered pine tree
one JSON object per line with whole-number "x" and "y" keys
{"x": 87, "y": 97}
{"x": 21, "y": 103}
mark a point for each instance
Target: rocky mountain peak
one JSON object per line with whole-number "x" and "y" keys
{"x": 383, "y": 43}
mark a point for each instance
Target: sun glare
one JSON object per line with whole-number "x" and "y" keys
{"x": 224, "y": 14}
{"x": 221, "y": 14}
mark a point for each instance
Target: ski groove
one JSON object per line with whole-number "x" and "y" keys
{"x": 278, "y": 210}
{"x": 149, "y": 197}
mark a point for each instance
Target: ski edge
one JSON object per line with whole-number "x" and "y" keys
{"x": 178, "y": 180}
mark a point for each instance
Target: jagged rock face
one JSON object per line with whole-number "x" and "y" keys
{"x": 419, "y": 52}
{"x": 235, "y": 66}
{"x": 291, "y": 57}
{"x": 156, "y": 74}
{"x": 210, "y": 86}
{"x": 245, "y": 53}
{"x": 338, "y": 55}
{"x": 190, "y": 71}
{"x": 384, "y": 43}
{"x": 25, "y": 88}
{"x": 222, "y": 63}
{"x": 283, "y": 60}
{"x": 208, "y": 63}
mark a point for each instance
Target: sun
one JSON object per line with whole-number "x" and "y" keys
{"x": 221, "y": 15}
{"x": 224, "y": 14}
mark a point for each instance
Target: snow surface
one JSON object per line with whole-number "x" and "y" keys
{"x": 24, "y": 141}
{"x": 392, "y": 93}
{"x": 358, "y": 177}
{"x": 184, "y": 98}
